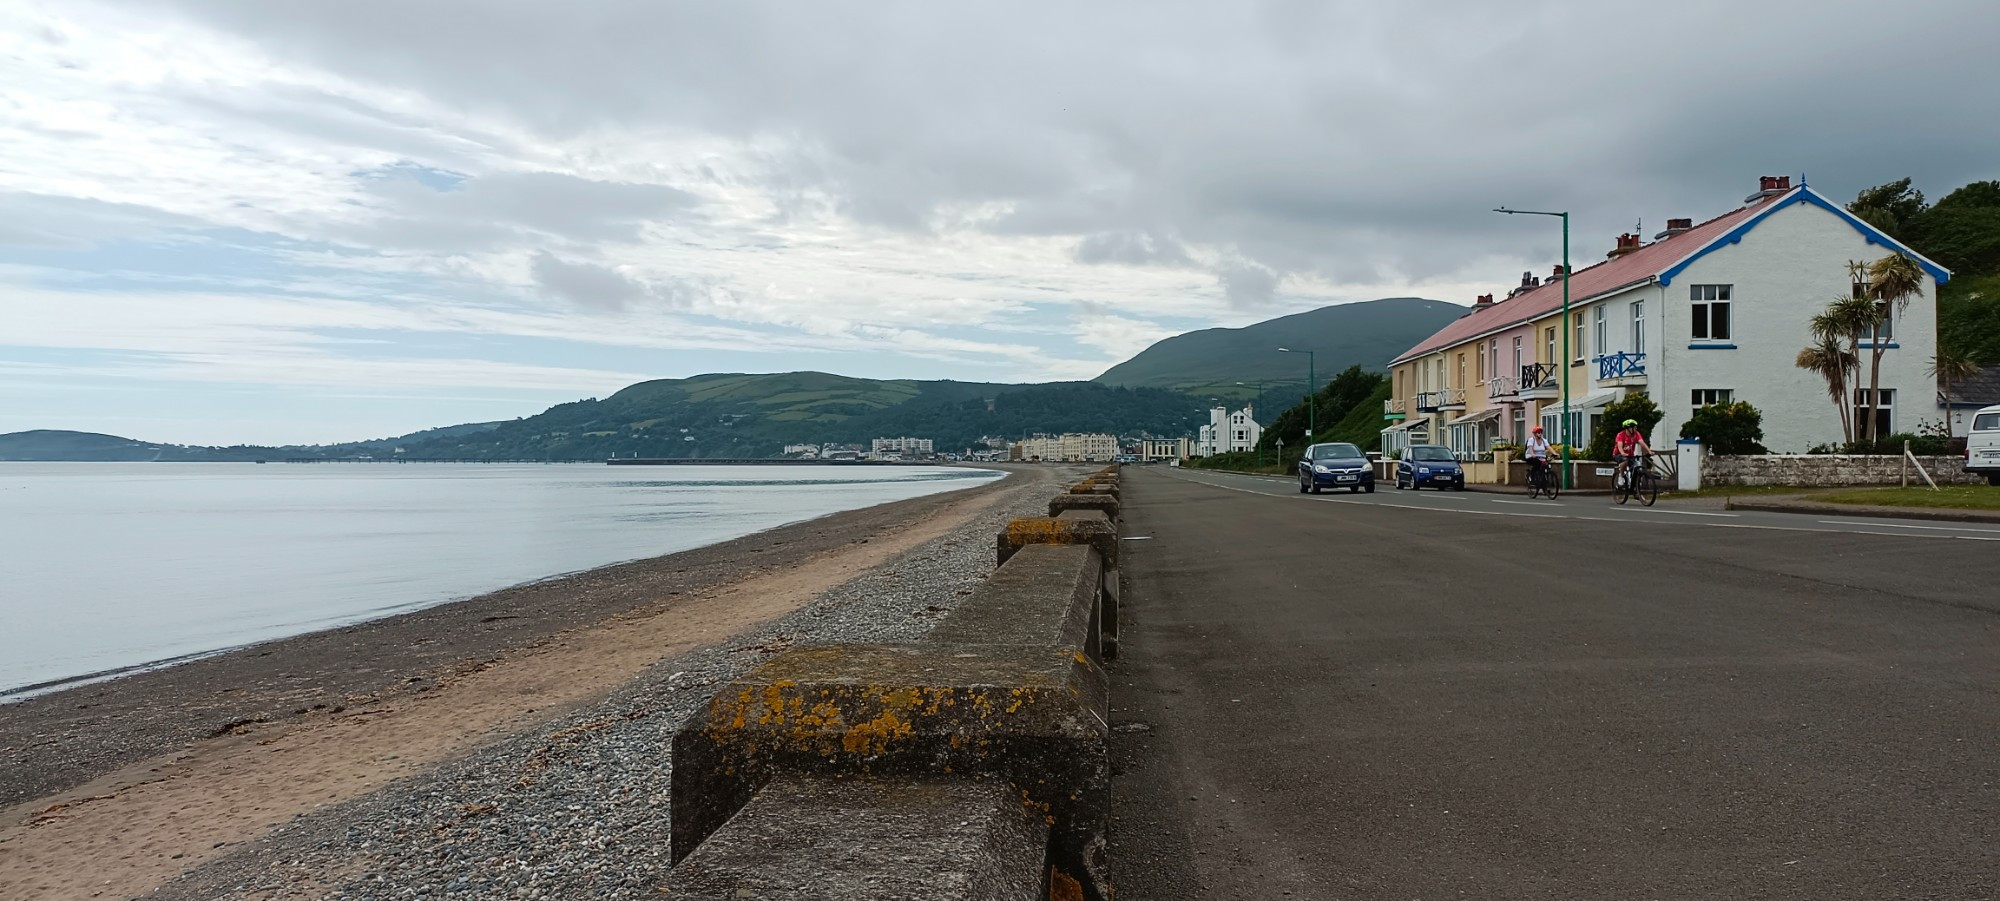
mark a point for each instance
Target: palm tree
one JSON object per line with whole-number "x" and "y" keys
{"x": 1892, "y": 282}
{"x": 1847, "y": 320}
{"x": 1830, "y": 359}
{"x": 1948, "y": 366}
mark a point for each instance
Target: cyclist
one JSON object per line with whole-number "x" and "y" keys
{"x": 1538, "y": 456}
{"x": 1630, "y": 450}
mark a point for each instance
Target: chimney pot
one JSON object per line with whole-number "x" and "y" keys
{"x": 1484, "y": 300}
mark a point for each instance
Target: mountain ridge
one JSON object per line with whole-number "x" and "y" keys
{"x": 1209, "y": 362}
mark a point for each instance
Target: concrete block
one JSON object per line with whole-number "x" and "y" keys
{"x": 1043, "y": 597}
{"x": 1105, "y": 502}
{"x": 1107, "y": 628}
{"x": 808, "y": 839}
{"x": 1033, "y": 716}
{"x": 1091, "y": 527}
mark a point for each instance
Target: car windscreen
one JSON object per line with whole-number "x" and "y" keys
{"x": 1431, "y": 455}
{"x": 1335, "y": 452}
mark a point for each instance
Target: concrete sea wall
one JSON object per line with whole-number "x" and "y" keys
{"x": 969, "y": 765}
{"x": 1820, "y": 470}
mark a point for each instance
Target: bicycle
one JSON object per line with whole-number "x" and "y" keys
{"x": 1542, "y": 479}
{"x": 1642, "y": 482}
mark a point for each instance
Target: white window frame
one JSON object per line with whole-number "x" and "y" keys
{"x": 1638, "y": 336}
{"x": 1702, "y": 397}
{"x": 1576, "y": 330}
{"x": 1603, "y": 336}
{"x": 1518, "y": 365}
{"x": 1887, "y": 409}
{"x": 1704, "y": 301}
{"x": 1549, "y": 344}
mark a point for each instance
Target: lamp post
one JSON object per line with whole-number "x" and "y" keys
{"x": 1569, "y": 479}
{"x": 1312, "y": 384}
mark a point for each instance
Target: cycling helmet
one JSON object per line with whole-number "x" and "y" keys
{"x": 1631, "y": 422}
{"x": 1538, "y": 430}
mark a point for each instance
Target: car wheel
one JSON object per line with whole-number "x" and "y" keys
{"x": 1458, "y": 487}
{"x": 1369, "y": 488}
{"x": 1354, "y": 489}
{"x": 1302, "y": 486}
{"x": 1316, "y": 488}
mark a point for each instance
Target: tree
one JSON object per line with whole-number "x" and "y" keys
{"x": 1843, "y": 324}
{"x": 1891, "y": 207}
{"x": 1635, "y": 406}
{"x": 1892, "y": 282}
{"x": 1949, "y": 365}
{"x": 1830, "y": 359}
{"x": 1732, "y": 428}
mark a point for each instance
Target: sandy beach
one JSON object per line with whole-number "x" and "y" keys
{"x": 182, "y": 780}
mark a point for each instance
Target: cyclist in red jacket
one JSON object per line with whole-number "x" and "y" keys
{"x": 1630, "y": 450}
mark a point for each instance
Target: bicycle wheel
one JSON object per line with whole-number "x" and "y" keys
{"x": 1554, "y": 485}
{"x": 1621, "y": 491}
{"x": 1649, "y": 489}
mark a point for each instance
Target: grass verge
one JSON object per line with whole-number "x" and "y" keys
{"x": 1952, "y": 497}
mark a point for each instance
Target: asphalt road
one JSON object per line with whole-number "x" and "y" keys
{"x": 1475, "y": 696}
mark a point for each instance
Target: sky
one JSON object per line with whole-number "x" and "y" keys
{"x": 235, "y": 222}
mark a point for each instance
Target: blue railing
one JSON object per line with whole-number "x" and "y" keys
{"x": 1620, "y": 365}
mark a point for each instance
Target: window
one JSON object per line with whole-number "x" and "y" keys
{"x": 1461, "y": 370}
{"x": 1705, "y": 396}
{"x": 1521, "y": 425}
{"x": 1885, "y": 407}
{"x": 1576, "y": 329}
{"x": 1493, "y": 357}
{"x": 1517, "y": 355}
{"x": 1480, "y": 367}
{"x": 1986, "y": 422}
{"x": 1711, "y": 312}
{"x": 1638, "y": 326}
{"x": 1549, "y": 339}
{"x": 1885, "y": 331}
{"x": 1603, "y": 337}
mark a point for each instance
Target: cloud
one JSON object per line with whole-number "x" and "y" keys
{"x": 587, "y": 285}
{"x": 1247, "y": 284}
{"x": 1131, "y": 248}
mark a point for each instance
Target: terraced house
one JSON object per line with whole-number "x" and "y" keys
{"x": 1707, "y": 312}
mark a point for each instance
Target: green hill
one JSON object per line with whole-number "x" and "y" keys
{"x": 1210, "y": 362}
{"x": 737, "y": 415}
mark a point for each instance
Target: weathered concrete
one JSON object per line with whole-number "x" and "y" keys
{"x": 1045, "y": 596}
{"x": 1034, "y": 716}
{"x": 1108, "y": 503}
{"x": 806, "y": 839}
{"x": 1829, "y": 470}
{"x": 1091, "y": 527}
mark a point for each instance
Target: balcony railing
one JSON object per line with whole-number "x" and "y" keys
{"x": 1392, "y": 407}
{"x": 1433, "y": 401}
{"x": 1620, "y": 365}
{"x": 1502, "y": 386}
{"x": 1537, "y": 375}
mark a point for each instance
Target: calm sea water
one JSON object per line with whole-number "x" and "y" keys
{"x": 105, "y": 566}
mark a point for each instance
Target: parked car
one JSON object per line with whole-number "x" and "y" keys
{"x": 1429, "y": 466}
{"x": 1982, "y": 444}
{"x": 1336, "y": 465}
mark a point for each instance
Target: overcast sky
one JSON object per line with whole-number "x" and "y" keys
{"x": 298, "y": 222}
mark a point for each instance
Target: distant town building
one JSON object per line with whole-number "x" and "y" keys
{"x": 1227, "y": 431}
{"x": 1071, "y": 447}
{"x": 1164, "y": 449}
{"x": 906, "y": 447}
{"x": 801, "y": 450}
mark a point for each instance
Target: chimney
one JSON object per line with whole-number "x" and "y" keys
{"x": 1627, "y": 243}
{"x": 1675, "y": 227}
{"x": 1485, "y": 300}
{"x": 1556, "y": 274}
{"x": 1770, "y": 185}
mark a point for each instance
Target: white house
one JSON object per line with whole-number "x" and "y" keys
{"x": 1227, "y": 431}
{"x": 1708, "y": 312}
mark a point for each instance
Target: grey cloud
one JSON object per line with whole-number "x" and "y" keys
{"x": 587, "y": 285}
{"x": 1346, "y": 140}
{"x": 75, "y": 223}
{"x": 1131, "y": 248}
{"x": 499, "y": 210}
{"x": 1247, "y": 284}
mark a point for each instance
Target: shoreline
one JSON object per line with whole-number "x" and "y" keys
{"x": 65, "y": 734}
{"x": 279, "y": 803}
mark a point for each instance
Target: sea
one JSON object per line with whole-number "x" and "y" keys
{"x": 108, "y": 568}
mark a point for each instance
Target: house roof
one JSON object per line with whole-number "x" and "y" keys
{"x": 1660, "y": 260}
{"x": 1637, "y": 267}
{"x": 1981, "y": 390}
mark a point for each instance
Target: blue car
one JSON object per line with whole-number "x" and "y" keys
{"x": 1335, "y": 465}
{"x": 1429, "y": 466}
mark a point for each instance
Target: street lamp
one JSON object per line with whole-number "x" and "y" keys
{"x": 1312, "y": 384}
{"x": 1569, "y": 479}
{"x": 1253, "y": 410}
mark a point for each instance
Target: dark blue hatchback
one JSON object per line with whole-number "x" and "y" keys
{"x": 1336, "y": 465}
{"x": 1429, "y": 466}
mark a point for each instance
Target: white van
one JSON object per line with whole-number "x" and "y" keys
{"x": 1982, "y": 444}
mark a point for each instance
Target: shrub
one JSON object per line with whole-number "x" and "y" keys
{"x": 1636, "y": 406}
{"x": 1733, "y": 428}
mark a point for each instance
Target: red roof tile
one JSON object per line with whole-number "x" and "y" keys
{"x": 1646, "y": 262}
